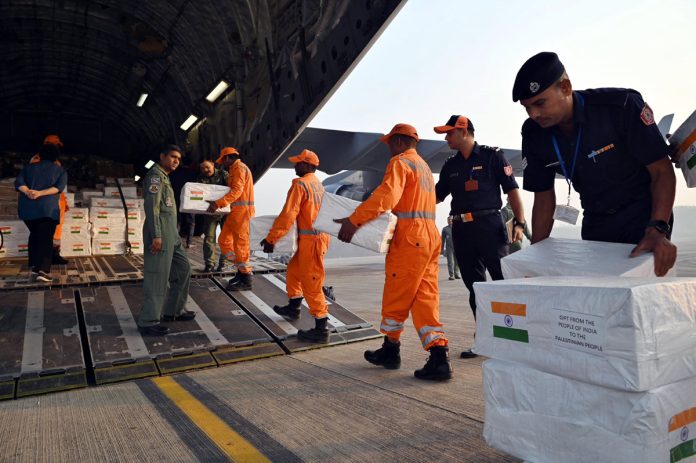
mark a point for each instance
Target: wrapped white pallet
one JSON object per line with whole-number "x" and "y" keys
{"x": 108, "y": 247}
{"x": 545, "y": 418}
{"x": 632, "y": 334}
{"x": 566, "y": 257}
{"x": 76, "y": 247}
{"x": 128, "y": 192}
{"x": 117, "y": 232}
{"x": 137, "y": 246}
{"x": 14, "y": 248}
{"x": 113, "y": 215}
{"x": 195, "y": 197}
{"x": 76, "y": 214}
{"x": 259, "y": 228}
{"x": 375, "y": 235}
{"x": 76, "y": 230}
{"x": 131, "y": 203}
{"x": 13, "y": 229}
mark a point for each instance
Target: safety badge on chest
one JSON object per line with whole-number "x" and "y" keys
{"x": 168, "y": 201}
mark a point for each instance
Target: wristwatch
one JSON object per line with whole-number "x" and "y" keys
{"x": 659, "y": 225}
{"x": 517, "y": 223}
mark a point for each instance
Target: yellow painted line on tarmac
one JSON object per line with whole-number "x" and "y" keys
{"x": 226, "y": 438}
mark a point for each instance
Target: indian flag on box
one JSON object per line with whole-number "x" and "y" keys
{"x": 23, "y": 248}
{"x": 196, "y": 196}
{"x": 510, "y": 321}
{"x": 681, "y": 428}
{"x": 104, "y": 246}
{"x": 78, "y": 247}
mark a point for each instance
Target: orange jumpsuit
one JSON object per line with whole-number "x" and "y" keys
{"x": 62, "y": 202}
{"x": 411, "y": 272}
{"x": 306, "y": 274}
{"x": 234, "y": 237}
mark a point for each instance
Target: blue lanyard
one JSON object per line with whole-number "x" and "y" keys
{"x": 561, "y": 161}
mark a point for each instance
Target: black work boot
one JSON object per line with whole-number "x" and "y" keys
{"x": 438, "y": 367}
{"x": 290, "y": 311}
{"x": 387, "y": 356}
{"x": 320, "y": 333}
{"x": 240, "y": 283}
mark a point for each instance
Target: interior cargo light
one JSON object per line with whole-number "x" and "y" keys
{"x": 137, "y": 177}
{"x": 217, "y": 91}
{"x": 149, "y": 164}
{"x": 188, "y": 122}
{"x": 141, "y": 100}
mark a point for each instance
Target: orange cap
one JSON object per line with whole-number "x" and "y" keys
{"x": 310, "y": 157}
{"x": 401, "y": 129}
{"x": 454, "y": 122}
{"x": 226, "y": 151}
{"x": 53, "y": 140}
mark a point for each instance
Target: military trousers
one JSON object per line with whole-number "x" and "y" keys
{"x": 479, "y": 246}
{"x": 165, "y": 284}
{"x": 210, "y": 224}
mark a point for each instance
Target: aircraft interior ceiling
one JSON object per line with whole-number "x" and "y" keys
{"x": 79, "y": 69}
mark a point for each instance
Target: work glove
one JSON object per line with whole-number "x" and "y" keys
{"x": 267, "y": 247}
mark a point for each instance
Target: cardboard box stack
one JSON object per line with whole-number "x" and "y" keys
{"x": 15, "y": 239}
{"x": 76, "y": 240}
{"x": 109, "y": 229}
{"x": 589, "y": 367}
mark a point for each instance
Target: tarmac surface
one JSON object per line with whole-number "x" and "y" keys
{"x": 326, "y": 405}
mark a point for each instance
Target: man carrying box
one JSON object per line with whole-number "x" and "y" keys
{"x": 306, "y": 274}
{"x": 234, "y": 237}
{"x": 606, "y": 145}
{"x": 411, "y": 271}
{"x": 212, "y": 176}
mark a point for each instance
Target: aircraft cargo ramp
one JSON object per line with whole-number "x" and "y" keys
{"x": 319, "y": 405}
{"x": 82, "y": 329}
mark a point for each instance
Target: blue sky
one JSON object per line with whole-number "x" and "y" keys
{"x": 443, "y": 57}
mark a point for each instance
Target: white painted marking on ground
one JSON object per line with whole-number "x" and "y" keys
{"x": 268, "y": 311}
{"x": 134, "y": 341}
{"x": 206, "y": 325}
{"x": 32, "y": 356}
{"x": 278, "y": 283}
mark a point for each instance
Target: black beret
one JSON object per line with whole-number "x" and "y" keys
{"x": 536, "y": 75}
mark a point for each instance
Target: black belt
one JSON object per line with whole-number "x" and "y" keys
{"x": 470, "y": 216}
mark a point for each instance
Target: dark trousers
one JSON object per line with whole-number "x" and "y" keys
{"x": 41, "y": 243}
{"x": 479, "y": 246}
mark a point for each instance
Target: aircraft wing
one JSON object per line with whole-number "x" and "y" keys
{"x": 362, "y": 151}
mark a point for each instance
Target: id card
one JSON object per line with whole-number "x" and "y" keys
{"x": 471, "y": 185}
{"x": 567, "y": 214}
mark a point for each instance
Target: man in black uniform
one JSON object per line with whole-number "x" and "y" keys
{"x": 474, "y": 177}
{"x": 607, "y": 146}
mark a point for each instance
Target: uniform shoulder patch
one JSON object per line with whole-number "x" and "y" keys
{"x": 154, "y": 189}
{"x": 646, "y": 115}
{"x": 508, "y": 170}
{"x": 154, "y": 180}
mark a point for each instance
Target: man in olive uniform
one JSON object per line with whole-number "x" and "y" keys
{"x": 167, "y": 269}
{"x": 212, "y": 176}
